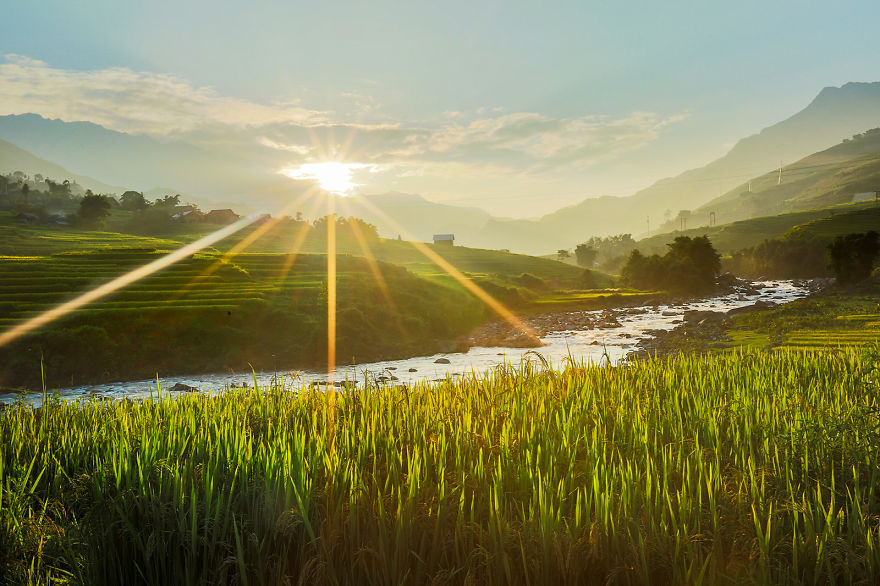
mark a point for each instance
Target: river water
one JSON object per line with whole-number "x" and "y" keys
{"x": 583, "y": 345}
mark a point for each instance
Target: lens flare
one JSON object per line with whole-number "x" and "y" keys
{"x": 123, "y": 281}
{"x": 331, "y": 176}
{"x": 456, "y": 274}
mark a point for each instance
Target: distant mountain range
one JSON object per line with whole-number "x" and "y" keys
{"x": 847, "y": 171}
{"x": 141, "y": 162}
{"x": 13, "y": 158}
{"x": 835, "y": 114}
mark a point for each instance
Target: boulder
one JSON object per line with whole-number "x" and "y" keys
{"x": 699, "y": 316}
{"x": 413, "y": 370}
{"x": 759, "y": 305}
{"x": 442, "y": 361}
{"x": 182, "y": 388}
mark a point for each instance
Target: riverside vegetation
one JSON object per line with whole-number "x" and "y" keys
{"x": 749, "y": 467}
{"x": 262, "y": 307}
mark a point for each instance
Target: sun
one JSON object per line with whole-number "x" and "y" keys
{"x": 331, "y": 176}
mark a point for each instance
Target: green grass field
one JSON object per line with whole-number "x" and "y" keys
{"x": 260, "y": 307}
{"x": 825, "y": 222}
{"x": 833, "y": 319}
{"x": 754, "y": 468}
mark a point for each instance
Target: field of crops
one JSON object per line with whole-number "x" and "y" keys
{"x": 30, "y": 285}
{"x": 832, "y": 319}
{"x": 746, "y": 468}
{"x": 824, "y": 223}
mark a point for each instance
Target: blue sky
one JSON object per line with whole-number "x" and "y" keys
{"x": 640, "y": 90}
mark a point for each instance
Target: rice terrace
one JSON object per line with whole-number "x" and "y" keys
{"x": 448, "y": 295}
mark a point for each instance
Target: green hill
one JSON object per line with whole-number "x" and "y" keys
{"x": 834, "y": 176}
{"x": 233, "y": 307}
{"x": 825, "y": 222}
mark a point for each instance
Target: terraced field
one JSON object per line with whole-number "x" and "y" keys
{"x": 834, "y": 319}
{"x": 30, "y": 285}
{"x": 854, "y": 330}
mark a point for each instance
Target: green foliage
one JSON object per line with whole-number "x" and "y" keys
{"x": 741, "y": 468}
{"x": 220, "y": 315}
{"x": 93, "y": 211}
{"x": 799, "y": 256}
{"x": 852, "y": 256}
{"x": 689, "y": 266}
{"x": 530, "y": 281}
{"x": 133, "y": 201}
{"x": 609, "y": 252}
{"x": 585, "y": 255}
{"x": 347, "y": 228}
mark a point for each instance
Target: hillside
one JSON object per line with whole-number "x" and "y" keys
{"x": 135, "y": 161}
{"x": 836, "y": 113}
{"x": 833, "y": 176}
{"x": 13, "y": 158}
{"x": 728, "y": 238}
{"x": 141, "y": 162}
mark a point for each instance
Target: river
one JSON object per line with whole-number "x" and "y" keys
{"x": 589, "y": 344}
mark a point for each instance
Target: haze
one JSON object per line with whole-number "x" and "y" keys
{"x": 513, "y": 108}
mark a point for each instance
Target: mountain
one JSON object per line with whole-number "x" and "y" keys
{"x": 841, "y": 174}
{"x": 836, "y": 113}
{"x": 137, "y": 161}
{"x": 245, "y": 175}
{"x": 421, "y": 218}
{"x": 13, "y": 158}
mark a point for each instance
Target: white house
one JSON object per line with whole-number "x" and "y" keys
{"x": 444, "y": 239}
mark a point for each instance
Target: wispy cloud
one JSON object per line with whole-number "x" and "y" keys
{"x": 489, "y": 139}
{"x": 130, "y": 101}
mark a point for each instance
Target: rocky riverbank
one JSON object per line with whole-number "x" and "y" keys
{"x": 500, "y": 333}
{"x": 704, "y": 330}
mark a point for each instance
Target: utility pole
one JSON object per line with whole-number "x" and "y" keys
{"x": 711, "y": 218}
{"x": 779, "y": 181}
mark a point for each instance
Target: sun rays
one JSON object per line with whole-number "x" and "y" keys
{"x": 330, "y": 179}
{"x": 122, "y": 281}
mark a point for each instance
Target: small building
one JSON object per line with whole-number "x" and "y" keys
{"x": 27, "y": 218}
{"x": 57, "y": 220}
{"x": 444, "y": 239}
{"x": 225, "y": 216}
{"x": 187, "y": 216}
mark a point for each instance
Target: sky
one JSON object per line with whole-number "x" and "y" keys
{"x": 515, "y": 107}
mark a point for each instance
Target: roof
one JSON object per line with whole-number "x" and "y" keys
{"x": 444, "y": 236}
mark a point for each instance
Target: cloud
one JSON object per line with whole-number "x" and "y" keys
{"x": 129, "y": 101}
{"x": 488, "y": 140}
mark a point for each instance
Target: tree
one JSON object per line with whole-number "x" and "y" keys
{"x": 134, "y": 201}
{"x": 563, "y": 254}
{"x": 689, "y": 266}
{"x": 698, "y": 259}
{"x": 25, "y": 190}
{"x": 852, "y": 256}
{"x": 611, "y": 251}
{"x": 585, "y": 255}
{"x": 93, "y": 211}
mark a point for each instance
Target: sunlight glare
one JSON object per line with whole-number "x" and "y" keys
{"x": 331, "y": 176}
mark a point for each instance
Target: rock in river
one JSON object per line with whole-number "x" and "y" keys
{"x": 180, "y": 388}
{"x": 441, "y": 361}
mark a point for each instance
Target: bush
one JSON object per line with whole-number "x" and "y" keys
{"x": 690, "y": 266}
{"x": 852, "y": 256}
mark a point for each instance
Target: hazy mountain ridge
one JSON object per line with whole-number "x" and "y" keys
{"x": 139, "y": 162}
{"x": 832, "y": 176}
{"x": 142, "y": 163}
{"x": 13, "y": 158}
{"x": 836, "y": 113}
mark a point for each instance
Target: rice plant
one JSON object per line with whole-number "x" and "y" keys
{"x": 700, "y": 469}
